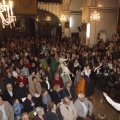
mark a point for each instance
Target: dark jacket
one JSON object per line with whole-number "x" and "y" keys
{"x": 7, "y": 97}
{"x": 11, "y": 80}
{"x": 55, "y": 97}
{"x": 51, "y": 116}
{"x": 65, "y": 93}
{"x": 27, "y": 105}
{"x": 21, "y": 92}
{"x": 37, "y": 118}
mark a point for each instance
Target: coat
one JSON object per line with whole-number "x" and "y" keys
{"x": 51, "y": 116}
{"x": 7, "y": 97}
{"x": 65, "y": 93}
{"x": 27, "y": 105}
{"x": 55, "y": 97}
{"x": 68, "y": 113}
{"x": 80, "y": 109}
{"x": 8, "y": 110}
{"x": 32, "y": 88}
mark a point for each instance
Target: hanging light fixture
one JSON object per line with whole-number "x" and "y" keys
{"x": 95, "y": 16}
{"x": 6, "y": 14}
{"x": 48, "y": 18}
{"x": 63, "y": 18}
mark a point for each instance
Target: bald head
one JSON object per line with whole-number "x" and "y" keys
{"x": 25, "y": 116}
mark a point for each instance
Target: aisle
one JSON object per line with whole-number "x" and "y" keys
{"x": 102, "y": 107}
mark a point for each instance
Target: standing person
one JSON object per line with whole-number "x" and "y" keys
{"x": 65, "y": 74}
{"x": 6, "y": 111}
{"x": 85, "y": 85}
{"x": 51, "y": 114}
{"x": 84, "y": 108}
{"x": 68, "y": 91}
{"x": 68, "y": 110}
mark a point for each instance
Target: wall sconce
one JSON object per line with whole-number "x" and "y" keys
{"x": 63, "y": 18}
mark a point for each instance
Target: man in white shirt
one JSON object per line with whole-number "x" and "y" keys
{"x": 84, "y": 108}
{"x": 114, "y": 104}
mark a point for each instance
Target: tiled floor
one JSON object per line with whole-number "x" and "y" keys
{"x": 102, "y": 107}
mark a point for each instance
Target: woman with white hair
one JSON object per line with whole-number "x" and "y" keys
{"x": 40, "y": 114}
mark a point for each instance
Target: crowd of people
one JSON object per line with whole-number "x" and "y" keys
{"x": 54, "y": 78}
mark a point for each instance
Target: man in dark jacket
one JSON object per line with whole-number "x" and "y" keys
{"x": 21, "y": 91}
{"x": 10, "y": 79}
{"x": 9, "y": 94}
{"x": 68, "y": 91}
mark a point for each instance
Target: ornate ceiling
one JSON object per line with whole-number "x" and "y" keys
{"x": 49, "y": 1}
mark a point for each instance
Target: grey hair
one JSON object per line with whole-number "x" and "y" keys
{"x": 39, "y": 109}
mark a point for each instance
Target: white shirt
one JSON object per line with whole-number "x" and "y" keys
{"x": 85, "y": 108}
{"x": 4, "y": 117}
{"x": 114, "y": 104}
{"x": 11, "y": 93}
{"x": 48, "y": 84}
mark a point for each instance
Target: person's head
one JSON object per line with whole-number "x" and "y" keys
{"x": 33, "y": 64}
{"x": 25, "y": 116}
{"x": 1, "y": 101}
{"x": 16, "y": 101}
{"x": 9, "y": 87}
{"x": 34, "y": 79}
{"x": 48, "y": 68}
{"x": 66, "y": 101}
{"x": 56, "y": 88}
{"x": 68, "y": 84}
{"x": 40, "y": 111}
{"x": 21, "y": 84}
{"x": 118, "y": 70}
{"x": 29, "y": 96}
{"x": 57, "y": 75}
{"x": 32, "y": 72}
{"x": 52, "y": 106}
{"x": 21, "y": 74}
{"x": 81, "y": 97}
{"x": 44, "y": 91}
{"x": 9, "y": 74}
{"x": 111, "y": 71}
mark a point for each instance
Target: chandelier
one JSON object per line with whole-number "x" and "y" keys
{"x": 48, "y": 18}
{"x": 6, "y": 14}
{"x": 63, "y": 18}
{"x": 95, "y": 16}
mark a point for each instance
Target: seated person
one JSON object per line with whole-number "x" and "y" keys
{"x": 35, "y": 88}
{"x": 45, "y": 99}
{"x": 9, "y": 94}
{"x": 6, "y": 111}
{"x": 68, "y": 109}
{"x": 84, "y": 108}
{"x": 17, "y": 108}
{"x": 56, "y": 94}
{"x": 46, "y": 84}
{"x": 21, "y": 91}
{"x": 30, "y": 103}
{"x": 22, "y": 78}
{"x": 57, "y": 80}
{"x": 40, "y": 114}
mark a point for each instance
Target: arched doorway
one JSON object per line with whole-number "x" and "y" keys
{"x": 27, "y": 27}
